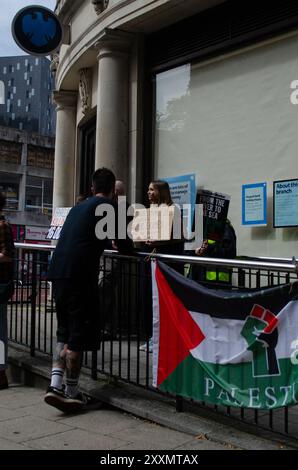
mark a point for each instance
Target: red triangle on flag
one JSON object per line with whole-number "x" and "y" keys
{"x": 178, "y": 332}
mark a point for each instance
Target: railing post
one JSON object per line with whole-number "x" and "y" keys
{"x": 241, "y": 278}
{"x": 94, "y": 365}
{"x": 33, "y": 303}
{"x": 179, "y": 404}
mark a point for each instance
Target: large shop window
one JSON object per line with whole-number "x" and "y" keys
{"x": 9, "y": 186}
{"x": 39, "y": 195}
{"x": 230, "y": 120}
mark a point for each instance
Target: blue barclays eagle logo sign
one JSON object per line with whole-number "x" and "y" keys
{"x": 37, "y": 30}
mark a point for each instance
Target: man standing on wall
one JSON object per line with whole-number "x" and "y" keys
{"x": 74, "y": 271}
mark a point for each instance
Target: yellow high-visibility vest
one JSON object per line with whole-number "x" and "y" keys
{"x": 219, "y": 275}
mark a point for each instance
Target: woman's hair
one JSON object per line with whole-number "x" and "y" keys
{"x": 2, "y": 201}
{"x": 163, "y": 192}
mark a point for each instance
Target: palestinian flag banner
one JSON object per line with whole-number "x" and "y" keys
{"x": 231, "y": 348}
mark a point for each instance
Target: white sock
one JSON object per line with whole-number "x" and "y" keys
{"x": 57, "y": 378}
{"x": 72, "y": 387}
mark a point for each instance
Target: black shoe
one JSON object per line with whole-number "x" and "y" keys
{"x": 89, "y": 403}
{"x": 57, "y": 398}
{"x": 67, "y": 404}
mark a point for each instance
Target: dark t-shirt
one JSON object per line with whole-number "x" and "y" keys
{"x": 78, "y": 250}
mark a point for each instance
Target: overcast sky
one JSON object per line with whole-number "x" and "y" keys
{"x": 8, "y": 10}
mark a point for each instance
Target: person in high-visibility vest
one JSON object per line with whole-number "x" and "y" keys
{"x": 224, "y": 248}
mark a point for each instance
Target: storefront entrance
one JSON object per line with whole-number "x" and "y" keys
{"x": 87, "y": 160}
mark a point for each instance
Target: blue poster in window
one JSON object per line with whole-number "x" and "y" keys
{"x": 285, "y": 203}
{"x": 254, "y": 204}
{"x": 183, "y": 192}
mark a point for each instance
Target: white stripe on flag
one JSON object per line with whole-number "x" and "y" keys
{"x": 224, "y": 343}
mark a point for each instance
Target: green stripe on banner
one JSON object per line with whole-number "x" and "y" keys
{"x": 234, "y": 384}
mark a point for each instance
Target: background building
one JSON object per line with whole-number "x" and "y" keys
{"x": 26, "y": 178}
{"x": 162, "y": 88}
{"x": 27, "y": 85}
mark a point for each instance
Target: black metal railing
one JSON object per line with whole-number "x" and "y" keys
{"x": 126, "y": 312}
{"x": 31, "y": 309}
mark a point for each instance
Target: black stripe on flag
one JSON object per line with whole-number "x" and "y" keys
{"x": 223, "y": 303}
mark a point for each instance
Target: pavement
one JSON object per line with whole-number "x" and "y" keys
{"x": 27, "y": 423}
{"x": 132, "y": 418}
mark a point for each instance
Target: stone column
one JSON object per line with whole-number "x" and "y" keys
{"x": 112, "y": 103}
{"x": 64, "y": 169}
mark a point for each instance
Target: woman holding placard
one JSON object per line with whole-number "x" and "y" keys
{"x": 167, "y": 237}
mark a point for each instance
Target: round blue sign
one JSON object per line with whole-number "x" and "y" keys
{"x": 37, "y": 30}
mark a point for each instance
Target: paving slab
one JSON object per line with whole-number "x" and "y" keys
{"x": 78, "y": 439}
{"x": 192, "y": 445}
{"x": 29, "y": 427}
{"x": 41, "y": 410}
{"x": 204, "y": 444}
{"x": 14, "y": 398}
{"x": 155, "y": 436}
{"x": 104, "y": 421}
{"x": 5, "y": 444}
{"x": 6, "y": 413}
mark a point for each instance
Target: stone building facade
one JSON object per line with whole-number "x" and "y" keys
{"x": 162, "y": 88}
